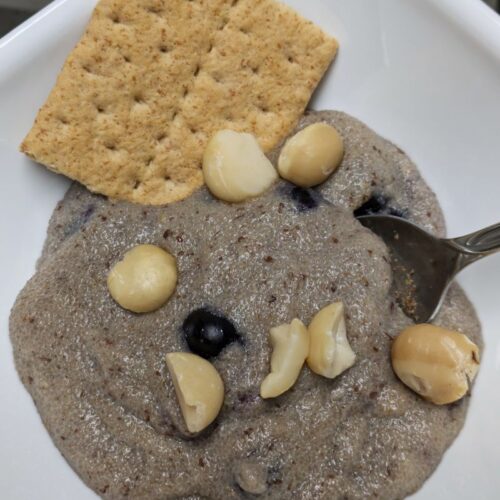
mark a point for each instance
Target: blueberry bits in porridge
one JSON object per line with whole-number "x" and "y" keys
{"x": 207, "y": 332}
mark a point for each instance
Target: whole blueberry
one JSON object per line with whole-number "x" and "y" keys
{"x": 207, "y": 332}
{"x": 378, "y": 204}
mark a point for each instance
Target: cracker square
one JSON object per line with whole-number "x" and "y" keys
{"x": 152, "y": 80}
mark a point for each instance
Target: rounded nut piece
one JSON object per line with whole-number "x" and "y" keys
{"x": 329, "y": 353}
{"x": 437, "y": 363}
{"x": 199, "y": 389}
{"x": 290, "y": 344}
{"x": 311, "y": 155}
{"x": 144, "y": 279}
{"x": 251, "y": 476}
{"x": 235, "y": 168}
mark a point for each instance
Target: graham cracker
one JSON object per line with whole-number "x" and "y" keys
{"x": 152, "y": 80}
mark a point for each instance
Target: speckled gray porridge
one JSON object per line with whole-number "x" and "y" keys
{"x": 97, "y": 373}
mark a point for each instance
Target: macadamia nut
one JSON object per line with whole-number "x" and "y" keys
{"x": 311, "y": 155}
{"x": 235, "y": 168}
{"x": 144, "y": 279}
{"x": 290, "y": 344}
{"x": 329, "y": 353}
{"x": 437, "y": 363}
{"x": 199, "y": 389}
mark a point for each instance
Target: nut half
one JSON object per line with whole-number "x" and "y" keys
{"x": 199, "y": 389}
{"x": 144, "y": 279}
{"x": 235, "y": 168}
{"x": 330, "y": 352}
{"x": 311, "y": 155}
{"x": 437, "y": 363}
{"x": 290, "y": 344}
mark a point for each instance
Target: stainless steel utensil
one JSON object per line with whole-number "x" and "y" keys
{"x": 423, "y": 265}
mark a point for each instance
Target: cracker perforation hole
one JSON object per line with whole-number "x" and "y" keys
{"x": 100, "y": 109}
{"x": 210, "y": 48}
{"x": 196, "y": 71}
{"x": 255, "y": 69}
{"x": 139, "y": 99}
{"x": 115, "y": 17}
{"x": 111, "y": 146}
{"x": 150, "y": 161}
{"x": 126, "y": 58}
{"x": 234, "y": 3}
{"x": 137, "y": 184}
{"x": 185, "y": 92}
{"x": 155, "y": 9}
{"x": 161, "y": 136}
{"x": 63, "y": 120}
{"x": 291, "y": 59}
{"x": 163, "y": 49}
{"x": 167, "y": 178}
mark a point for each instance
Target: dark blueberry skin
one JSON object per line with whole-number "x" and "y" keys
{"x": 304, "y": 199}
{"x": 378, "y": 204}
{"x": 78, "y": 223}
{"x": 207, "y": 333}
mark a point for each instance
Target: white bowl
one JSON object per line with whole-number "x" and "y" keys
{"x": 425, "y": 74}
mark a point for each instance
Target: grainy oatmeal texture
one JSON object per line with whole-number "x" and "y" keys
{"x": 97, "y": 372}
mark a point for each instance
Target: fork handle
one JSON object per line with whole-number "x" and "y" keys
{"x": 476, "y": 245}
